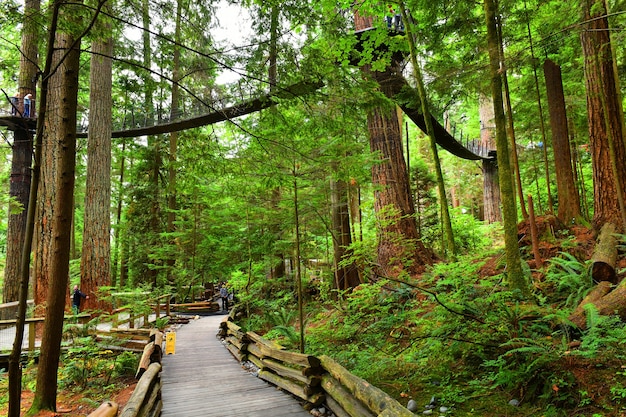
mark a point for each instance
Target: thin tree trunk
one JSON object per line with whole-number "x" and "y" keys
{"x": 542, "y": 124}
{"x": 347, "y": 276}
{"x": 449, "y": 247}
{"x": 516, "y": 278}
{"x": 510, "y": 125}
{"x": 569, "y": 203}
{"x": 116, "y": 275}
{"x": 154, "y": 144}
{"x": 61, "y": 130}
{"x": 171, "y": 184}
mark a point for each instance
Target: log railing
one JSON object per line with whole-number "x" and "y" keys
{"x": 315, "y": 380}
{"x": 145, "y": 400}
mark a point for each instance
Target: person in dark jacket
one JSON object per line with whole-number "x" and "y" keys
{"x": 224, "y": 295}
{"x": 77, "y": 296}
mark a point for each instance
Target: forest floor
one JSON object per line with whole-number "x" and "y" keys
{"x": 74, "y": 404}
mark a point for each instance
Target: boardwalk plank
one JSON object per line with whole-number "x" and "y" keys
{"x": 203, "y": 379}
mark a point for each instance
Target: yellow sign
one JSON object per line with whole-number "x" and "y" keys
{"x": 170, "y": 343}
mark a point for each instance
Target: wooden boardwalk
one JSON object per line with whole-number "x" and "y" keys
{"x": 203, "y": 379}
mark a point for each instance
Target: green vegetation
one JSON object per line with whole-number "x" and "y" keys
{"x": 459, "y": 335}
{"x": 337, "y": 185}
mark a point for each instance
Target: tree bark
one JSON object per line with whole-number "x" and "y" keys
{"x": 449, "y": 247}
{"x": 171, "y": 168}
{"x": 491, "y": 185}
{"x": 95, "y": 264}
{"x": 606, "y": 120}
{"x": 154, "y": 145}
{"x": 568, "y": 201}
{"x": 399, "y": 245}
{"x": 606, "y": 303}
{"x": 516, "y": 278}
{"x": 604, "y": 255}
{"x": 19, "y": 188}
{"x": 346, "y": 277}
{"x": 60, "y": 122}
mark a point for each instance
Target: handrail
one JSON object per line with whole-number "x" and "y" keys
{"x": 146, "y": 398}
{"x": 315, "y": 380}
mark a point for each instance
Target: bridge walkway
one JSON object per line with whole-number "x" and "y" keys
{"x": 203, "y": 379}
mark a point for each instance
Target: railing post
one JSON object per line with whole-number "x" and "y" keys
{"x": 31, "y": 336}
{"x": 167, "y": 305}
{"x": 157, "y": 310}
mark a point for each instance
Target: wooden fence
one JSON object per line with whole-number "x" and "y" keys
{"x": 145, "y": 400}
{"x": 315, "y": 380}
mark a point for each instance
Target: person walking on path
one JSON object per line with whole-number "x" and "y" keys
{"x": 77, "y": 296}
{"x": 224, "y": 295}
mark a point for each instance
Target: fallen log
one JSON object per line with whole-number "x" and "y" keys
{"x": 578, "y": 316}
{"x": 604, "y": 256}
{"x": 613, "y": 303}
{"x": 106, "y": 409}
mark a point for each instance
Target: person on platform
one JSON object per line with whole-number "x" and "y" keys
{"x": 77, "y": 296}
{"x": 27, "y": 102}
{"x": 15, "y": 100}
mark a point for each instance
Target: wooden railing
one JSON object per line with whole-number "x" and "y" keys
{"x": 315, "y": 380}
{"x": 145, "y": 400}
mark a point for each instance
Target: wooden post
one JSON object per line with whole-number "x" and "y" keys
{"x": 167, "y": 305}
{"x": 31, "y": 336}
{"x": 534, "y": 233}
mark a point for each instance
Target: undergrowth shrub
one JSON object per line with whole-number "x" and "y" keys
{"x": 568, "y": 280}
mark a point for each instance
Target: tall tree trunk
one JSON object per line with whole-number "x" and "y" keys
{"x": 399, "y": 245}
{"x": 60, "y": 133}
{"x": 19, "y": 187}
{"x": 347, "y": 276}
{"x": 116, "y": 275}
{"x": 569, "y": 203}
{"x": 95, "y": 266}
{"x": 510, "y": 128}
{"x": 516, "y": 278}
{"x": 449, "y": 248}
{"x": 154, "y": 145}
{"x": 606, "y": 120}
{"x": 491, "y": 184}
{"x": 171, "y": 168}
{"x": 278, "y": 262}
{"x": 24, "y": 256}
{"x": 542, "y": 125}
